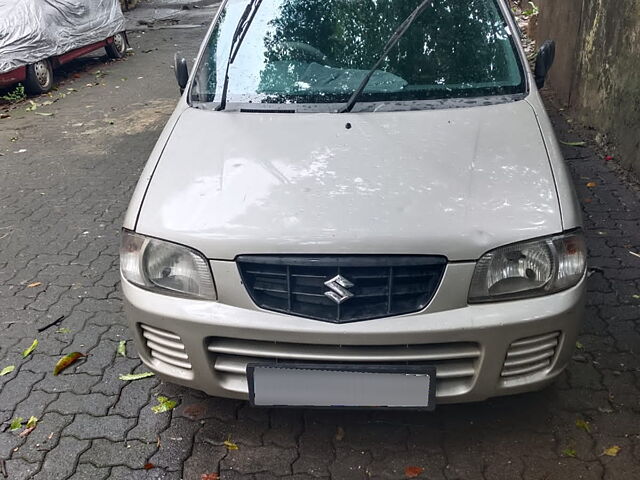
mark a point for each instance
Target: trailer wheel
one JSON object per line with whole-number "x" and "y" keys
{"x": 39, "y": 77}
{"x": 118, "y": 47}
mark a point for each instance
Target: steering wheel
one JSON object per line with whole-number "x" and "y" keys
{"x": 307, "y": 50}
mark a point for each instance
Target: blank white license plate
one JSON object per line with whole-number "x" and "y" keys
{"x": 295, "y": 385}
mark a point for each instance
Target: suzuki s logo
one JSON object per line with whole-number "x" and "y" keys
{"x": 338, "y": 286}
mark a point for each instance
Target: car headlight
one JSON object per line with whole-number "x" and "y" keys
{"x": 529, "y": 269}
{"x": 165, "y": 267}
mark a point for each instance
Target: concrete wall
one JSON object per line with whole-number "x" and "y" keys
{"x": 597, "y": 69}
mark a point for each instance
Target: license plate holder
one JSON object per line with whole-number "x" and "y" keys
{"x": 298, "y": 385}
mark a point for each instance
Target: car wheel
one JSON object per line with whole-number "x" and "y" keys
{"x": 118, "y": 47}
{"x": 39, "y": 77}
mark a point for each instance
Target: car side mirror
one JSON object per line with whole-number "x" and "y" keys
{"x": 544, "y": 61}
{"x": 182, "y": 71}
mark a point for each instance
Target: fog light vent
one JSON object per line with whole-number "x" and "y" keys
{"x": 530, "y": 355}
{"x": 165, "y": 347}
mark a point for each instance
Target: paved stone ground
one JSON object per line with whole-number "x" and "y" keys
{"x": 61, "y": 204}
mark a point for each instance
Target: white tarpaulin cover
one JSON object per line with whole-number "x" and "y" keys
{"x": 31, "y": 30}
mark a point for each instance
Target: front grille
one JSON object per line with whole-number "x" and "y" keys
{"x": 456, "y": 363}
{"x": 380, "y": 286}
{"x": 530, "y": 355}
{"x": 165, "y": 348}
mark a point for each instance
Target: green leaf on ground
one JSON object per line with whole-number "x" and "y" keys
{"x": 612, "y": 451}
{"x": 63, "y": 330}
{"x": 229, "y": 444}
{"x": 32, "y": 422}
{"x": 16, "y": 423}
{"x": 28, "y": 351}
{"x": 135, "y": 376}
{"x": 7, "y": 370}
{"x": 574, "y": 144}
{"x": 164, "y": 405}
{"x": 579, "y": 346}
{"x": 584, "y": 425}
{"x": 67, "y": 361}
{"x": 570, "y": 452}
{"x": 122, "y": 348}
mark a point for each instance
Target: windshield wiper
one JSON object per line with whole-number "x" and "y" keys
{"x": 238, "y": 36}
{"x": 393, "y": 40}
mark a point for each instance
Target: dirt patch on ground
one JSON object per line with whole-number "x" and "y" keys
{"x": 143, "y": 117}
{"x": 94, "y": 135}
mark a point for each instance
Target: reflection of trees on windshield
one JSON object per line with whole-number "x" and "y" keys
{"x": 318, "y": 51}
{"x": 453, "y": 41}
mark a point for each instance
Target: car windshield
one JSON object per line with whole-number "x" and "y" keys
{"x": 318, "y": 51}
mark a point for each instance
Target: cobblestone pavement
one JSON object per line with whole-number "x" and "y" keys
{"x": 61, "y": 205}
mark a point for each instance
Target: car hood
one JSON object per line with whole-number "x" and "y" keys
{"x": 453, "y": 182}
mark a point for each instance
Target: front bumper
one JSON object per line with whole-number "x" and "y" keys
{"x": 479, "y": 351}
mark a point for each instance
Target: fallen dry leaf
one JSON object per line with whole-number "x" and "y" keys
{"x": 634, "y": 254}
{"x": 413, "y": 472}
{"x": 26, "y": 431}
{"x": 34, "y": 284}
{"x": 229, "y": 444}
{"x": 592, "y": 184}
{"x": 583, "y": 425}
{"x": 31, "y": 425}
{"x": 149, "y": 466}
{"x": 31, "y": 348}
{"x": 340, "y": 434}
{"x": 137, "y": 376}
{"x": 612, "y": 451}
{"x": 210, "y": 476}
{"x": 67, "y": 361}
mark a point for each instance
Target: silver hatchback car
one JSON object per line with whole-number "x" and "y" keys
{"x": 357, "y": 203}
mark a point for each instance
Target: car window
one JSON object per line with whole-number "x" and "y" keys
{"x": 318, "y": 52}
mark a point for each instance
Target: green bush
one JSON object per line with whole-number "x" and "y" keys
{"x": 15, "y": 95}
